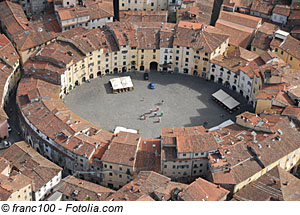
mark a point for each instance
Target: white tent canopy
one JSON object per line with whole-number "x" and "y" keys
{"x": 122, "y": 83}
{"x": 226, "y": 99}
{"x": 118, "y": 129}
{"x": 126, "y": 82}
{"x": 116, "y": 83}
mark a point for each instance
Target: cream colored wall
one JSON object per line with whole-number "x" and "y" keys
{"x": 255, "y": 88}
{"x": 289, "y": 59}
{"x": 149, "y": 55}
{"x": 24, "y": 194}
{"x": 119, "y": 177}
{"x": 263, "y": 105}
{"x": 143, "y": 5}
{"x": 257, "y": 50}
{"x": 287, "y": 163}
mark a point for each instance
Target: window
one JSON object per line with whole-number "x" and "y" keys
{"x": 177, "y": 58}
{"x": 206, "y": 54}
{"x": 184, "y": 155}
{"x": 177, "y": 51}
{"x": 174, "y": 166}
{"x": 120, "y": 176}
{"x": 291, "y": 58}
{"x": 281, "y": 52}
{"x": 187, "y": 53}
{"x": 186, "y": 60}
{"x": 276, "y": 49}
{"x": 110, "y": 174}
{"x": 165, "y": 166}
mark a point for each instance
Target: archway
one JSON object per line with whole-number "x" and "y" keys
{"x": 116, "y": 70}
{"x": 124, "y": 69}
{"x": 195, "y": 72}
{"x": 106, "y": 71}
{"x": 176, "y": 69}
{"x": 98, "y": 74}
{"x": 233, "y": 88}
{"x": 227, "y": 84}
{"x": 153, "y": 66}
{"x": 91, "y": 76}
{"x": 83, "y": 79}
{"x": 220, "y": 80}
{"x": 132, "y": 68}
{"x": 142, "y": 68}
{"x": 212, "y": 77}
{"x": 76, "y": 83}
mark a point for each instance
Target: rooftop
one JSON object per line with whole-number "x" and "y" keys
{"x": 82, "y": 190}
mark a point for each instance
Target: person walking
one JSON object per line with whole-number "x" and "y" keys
{"x": 159, "y": 119}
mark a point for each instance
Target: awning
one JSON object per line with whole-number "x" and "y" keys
{"x": 225, "y": 99}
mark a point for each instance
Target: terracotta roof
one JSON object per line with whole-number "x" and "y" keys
{"x": 282, "y": 10}
{"x": 263, "y": 36}
{"x": 86, "y": 191}
{"x": 240, "y": 19}
{"x": 239, "y": 150}
{"x": 276, "y": 185}
{"x": 252, "y": 68}
{"x": 195, "y": 143}
{"x": 262, "y": 7}
{"x": 148, "y": 155}
{"x": 202, "y": 190}
{"x": 12, "y": 183}
{"x": 206, "y": 40}
{"x": 235, "y": 60}
{"x": 50, "y": 115}
{"x": 238, "y": 35}
{"x": 9, "y": 61}
{"x": 147, "y": 185}
{"x": 290, "y": 45}
{"x": 23, "y": 33}
{"x": 292, "y": 111}
{"x": 123, "y": 149}
{"x": 31, "y": 164}
{"x": 270, "y": 91}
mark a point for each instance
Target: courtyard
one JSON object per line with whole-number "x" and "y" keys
{"x": 186, "y": 102}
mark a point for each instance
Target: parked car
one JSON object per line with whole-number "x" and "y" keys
{"x": 8, "y": 128}
{"x": 146, "y": 76}
{"x": 152, "y": 85}
{"x": 6, "y": 143}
